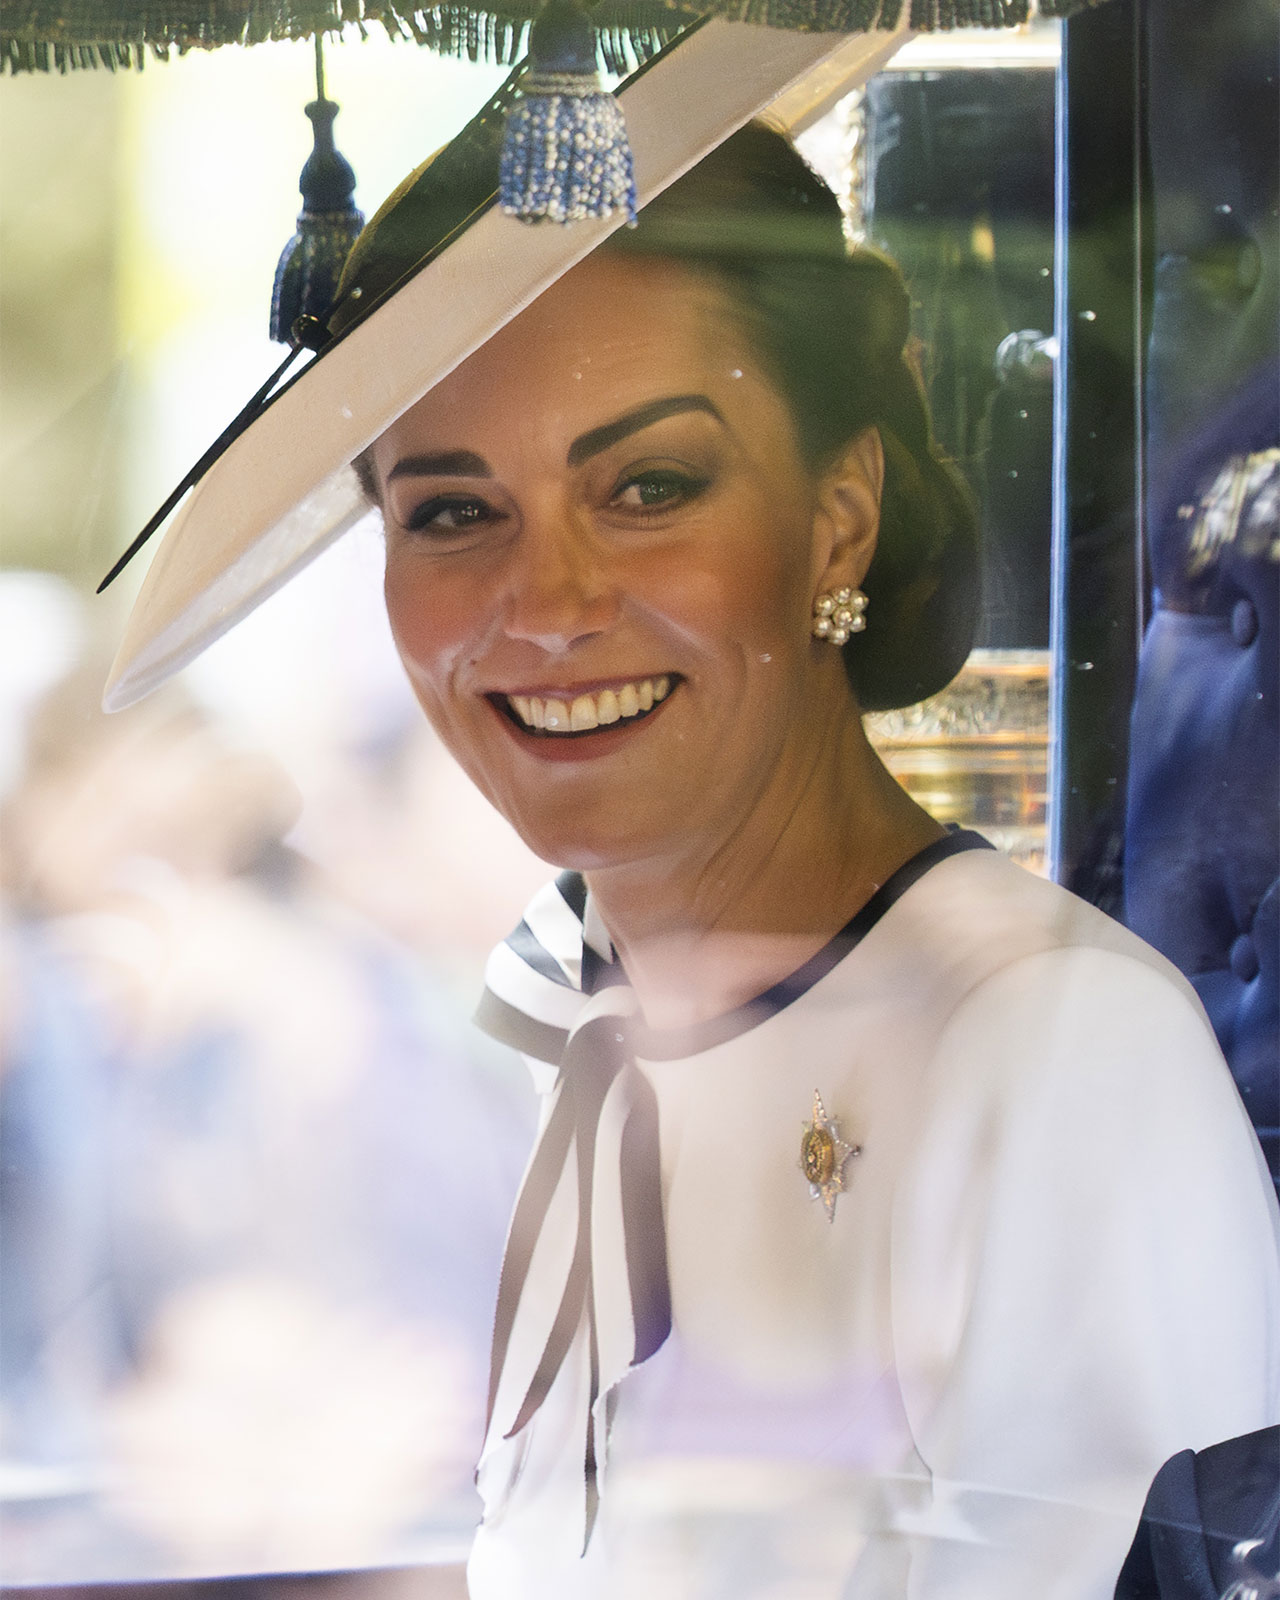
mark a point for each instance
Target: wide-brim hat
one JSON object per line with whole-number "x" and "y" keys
{"x": 284, "y": 489}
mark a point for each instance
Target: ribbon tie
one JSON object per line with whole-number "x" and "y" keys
{"x": 604, "y": 1127}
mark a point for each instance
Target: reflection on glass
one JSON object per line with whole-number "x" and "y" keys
{"x": 256, "y": 1171}
{"x": 948, "y": 164}
{"x": 977, "y": 754}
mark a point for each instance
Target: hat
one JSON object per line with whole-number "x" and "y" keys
{"x": 283, "y": 488}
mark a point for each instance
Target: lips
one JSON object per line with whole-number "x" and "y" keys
{"x": 565, "y": 717}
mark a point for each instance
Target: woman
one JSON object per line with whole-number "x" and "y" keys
{"x": 651, "y": 552}
{"x": 893, "y": 1216}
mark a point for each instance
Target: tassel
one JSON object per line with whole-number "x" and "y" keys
{"x": 565, "y": 155}
{"x": 311, "y": 263}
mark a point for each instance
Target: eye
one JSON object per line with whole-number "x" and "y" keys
{"x": 445, "y": 514}
{"x": 656, "y": 489}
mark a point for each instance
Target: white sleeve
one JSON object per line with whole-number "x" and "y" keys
{"x": 1085, "y": 1273}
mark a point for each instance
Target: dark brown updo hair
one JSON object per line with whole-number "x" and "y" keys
{"x": 831, "y": 325}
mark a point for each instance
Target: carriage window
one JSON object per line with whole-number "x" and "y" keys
{"x": 946, "y": 161}
{"x": 256, "y": 1167}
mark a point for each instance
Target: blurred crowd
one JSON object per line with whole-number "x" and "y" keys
{"x": 255, "y": 1166}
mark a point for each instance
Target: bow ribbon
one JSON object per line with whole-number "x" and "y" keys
{"x": 603, "y": 1127}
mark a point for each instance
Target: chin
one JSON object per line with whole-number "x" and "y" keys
{"x": 582, "y": 821}
{"x": 580, "y": 849}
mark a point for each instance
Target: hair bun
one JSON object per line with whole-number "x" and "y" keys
{"x": 832, "y": 324}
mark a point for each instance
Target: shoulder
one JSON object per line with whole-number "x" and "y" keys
{"x": 989, "y": 913}
{"x": 1084, "y": 1179}
{"x": 1015, "y": 970}
{"x": 1072, "y": 1055}
{"x": 1060, "y": 1010}
{"x": 1096, "y": 1048}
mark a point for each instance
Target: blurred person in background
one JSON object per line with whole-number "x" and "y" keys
{"x": 228, "y": 1168}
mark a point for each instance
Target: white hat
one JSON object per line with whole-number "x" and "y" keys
{"x": 284, "y": 488}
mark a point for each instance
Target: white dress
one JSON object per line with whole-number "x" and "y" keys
{"x": 1054, "y": 1265}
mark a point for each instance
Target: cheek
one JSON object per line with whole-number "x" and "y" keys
{"x": 431, "y": 623}
{"x": 434, "y": 625}
{"x": 750, "y": 585}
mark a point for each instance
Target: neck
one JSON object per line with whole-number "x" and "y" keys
{"x": 709, "y": 929}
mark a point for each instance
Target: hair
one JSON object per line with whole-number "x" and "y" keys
{"x": 831, "y": 326}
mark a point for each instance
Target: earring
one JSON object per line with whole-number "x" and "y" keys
{"x": 836, "y": 616}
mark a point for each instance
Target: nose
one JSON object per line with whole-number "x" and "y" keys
{"x": 561, "y": 589}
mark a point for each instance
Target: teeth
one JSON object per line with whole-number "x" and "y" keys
{"x": 582, "y": 714}
{"x": 591, "y": 710}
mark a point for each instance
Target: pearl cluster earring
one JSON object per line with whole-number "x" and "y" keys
{"x": 836, "y": 616}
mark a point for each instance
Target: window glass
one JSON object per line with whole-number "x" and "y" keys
{"x": 946, "y": 161}
{"x": 256, "y": 1163}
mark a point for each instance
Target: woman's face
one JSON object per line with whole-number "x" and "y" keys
{"x": 603, "y": 548}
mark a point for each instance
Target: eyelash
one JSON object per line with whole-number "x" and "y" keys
{"x": 423, "y": 517}
{"x": 680, "y": 488}
{"x": 674, "y": 487}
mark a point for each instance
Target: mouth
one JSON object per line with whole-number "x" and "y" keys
{"x": 579, "y": 717}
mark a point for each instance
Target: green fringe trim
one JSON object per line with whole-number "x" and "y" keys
{"x": 940, "y": 15}
{"x": 36, "y": 36}
{"x": 44, "y": 36}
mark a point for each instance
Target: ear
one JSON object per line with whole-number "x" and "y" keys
{"x": 847, "y": 516}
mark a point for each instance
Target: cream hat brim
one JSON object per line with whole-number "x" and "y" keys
{"x": 285, "y": 488}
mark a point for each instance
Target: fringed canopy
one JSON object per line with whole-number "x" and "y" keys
{"x": 58, "y": 35}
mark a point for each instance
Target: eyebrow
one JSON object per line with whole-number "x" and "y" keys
{"x": 467, "y": 464}
{"x": 442, "y": 464}
{"x": 598, "y": 439}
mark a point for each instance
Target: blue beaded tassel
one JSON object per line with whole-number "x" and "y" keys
{"x": 565, "y": 155}
{"x": 311, "y": 263}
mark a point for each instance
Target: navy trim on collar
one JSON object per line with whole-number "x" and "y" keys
{"x": 653, "y": 1044}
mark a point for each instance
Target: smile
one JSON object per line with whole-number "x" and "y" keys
{"x": 585, "y": 713}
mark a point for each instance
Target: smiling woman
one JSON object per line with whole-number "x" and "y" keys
{"x": 642, "y": 526}
{"x": 652, "y": 549}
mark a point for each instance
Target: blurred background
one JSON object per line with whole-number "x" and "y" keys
{"x": 255, "y": 1167}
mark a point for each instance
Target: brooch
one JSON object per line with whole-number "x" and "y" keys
{"x": 823, "y": 1154}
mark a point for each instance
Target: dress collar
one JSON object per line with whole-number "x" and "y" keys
{"x": 541, "y": 976}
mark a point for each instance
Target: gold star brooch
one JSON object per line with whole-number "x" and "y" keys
{"x": 823, "y": 1154}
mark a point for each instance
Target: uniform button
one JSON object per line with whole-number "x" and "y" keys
{"x": 1244, "y": 622}
{"x": 1244, "y": 958}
